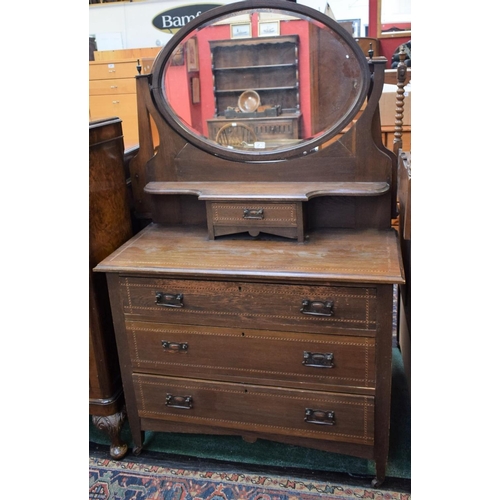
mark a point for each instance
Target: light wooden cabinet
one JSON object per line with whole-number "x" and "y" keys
{"x": 112, "y": 92}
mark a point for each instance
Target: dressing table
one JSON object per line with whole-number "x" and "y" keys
{"x": 259, "y": 301}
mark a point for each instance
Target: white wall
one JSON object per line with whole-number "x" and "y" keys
{"x": 128, "y": 25}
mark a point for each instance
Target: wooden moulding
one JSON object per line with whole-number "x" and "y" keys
{"x": 273, "y": 191}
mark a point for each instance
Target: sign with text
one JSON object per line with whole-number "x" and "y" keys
{"x": 170, "y": 21}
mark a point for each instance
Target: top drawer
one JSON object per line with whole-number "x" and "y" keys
{"x": 118, "y": 69}
{"x": 315, "y": 309}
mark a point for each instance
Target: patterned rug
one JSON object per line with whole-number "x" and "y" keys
{"x": 113, "y": 480}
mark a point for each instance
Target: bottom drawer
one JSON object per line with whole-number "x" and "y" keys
{"x": 310, "y": 414}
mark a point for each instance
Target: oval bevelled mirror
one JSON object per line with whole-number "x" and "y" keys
{"x": 260, "y": 80}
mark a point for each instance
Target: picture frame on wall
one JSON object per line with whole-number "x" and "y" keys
{"x": 192, "y": 54}
{"x": 269, "y": 28}
{"x": 195, "y": 90}
{"x": 241, "y": 30}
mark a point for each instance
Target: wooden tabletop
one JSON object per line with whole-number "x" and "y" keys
{"x": 361, "y": 256}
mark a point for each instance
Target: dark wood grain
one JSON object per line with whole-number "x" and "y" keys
{"x": 354, "y": 256}
{"x": 109, "y": 227}
{"x": 215, "y": 318}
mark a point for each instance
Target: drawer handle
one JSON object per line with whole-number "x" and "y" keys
{"x": 318, "y": 359}
{"x": 317, "y": 308}
{"x": 169, "y": 299}
{"x": 320, "y": 417}
{"x": 182, "y": 402}
{"x": 174, "y": 346}
{"x": 253, "y": 213}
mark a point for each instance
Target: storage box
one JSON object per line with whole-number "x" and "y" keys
{"x": 388, "y": 105}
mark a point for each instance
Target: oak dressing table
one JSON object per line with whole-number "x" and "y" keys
{"x": 259, "y": 300}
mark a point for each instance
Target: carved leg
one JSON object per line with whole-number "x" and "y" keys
{"x": 112, "y": 426}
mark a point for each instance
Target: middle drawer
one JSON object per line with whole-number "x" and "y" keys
{"x": 299, "y": 360}
{"x": 299, "y": 308}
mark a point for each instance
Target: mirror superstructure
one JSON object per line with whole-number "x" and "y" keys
{"x": 263, "y": 82}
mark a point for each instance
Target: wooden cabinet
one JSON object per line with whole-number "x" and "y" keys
{"x": 266, "y": 65}
{"x": 259, "y": 301}
{"x": 109, "y": 227}
{"x": 265, "y": 342}
{"x": 112, "y": 93}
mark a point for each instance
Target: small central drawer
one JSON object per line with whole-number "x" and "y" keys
{"x": 302, "y": 413}
{"x": 315, "y": 361}
{"x": 340, "y": 310}
{"x": 282, "y": 219}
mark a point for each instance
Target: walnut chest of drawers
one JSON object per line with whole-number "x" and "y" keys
{"x": 288, "y": 342}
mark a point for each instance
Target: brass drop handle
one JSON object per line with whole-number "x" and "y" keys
{"x": 169, "y": 299}
{"x": 182, "y": 402}
{"x": 253, "y": 213}
{"x": 174, "y": 346}
{"x": 317, "y": 307}
{"x": 319, "y": 417}
{"x": 318, "y": 359}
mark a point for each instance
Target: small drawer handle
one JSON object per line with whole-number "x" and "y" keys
{"x": 169, "y": 299}
{"x": 182, "y": 402}
{"x": 174, "y": 346}
{"x": 319, "y": 417}
{"x": 253, "y": 213}
{"x": 317, "y": 307}
{"x": 318, "y": 359}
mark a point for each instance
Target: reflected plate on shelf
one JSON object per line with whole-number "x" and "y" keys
{"x": 249, "y": 101}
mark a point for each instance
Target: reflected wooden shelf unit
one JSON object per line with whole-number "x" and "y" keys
{"x": 267, "y": 65}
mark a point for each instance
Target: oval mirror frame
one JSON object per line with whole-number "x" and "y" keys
{"x": 303, "y": 147}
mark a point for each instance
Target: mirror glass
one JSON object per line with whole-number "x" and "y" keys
{"x": 262, "y": 81}
{"x": 395, "y": 17}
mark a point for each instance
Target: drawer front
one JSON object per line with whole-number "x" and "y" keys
{"x": 312, "y": 360}
{"x": 112, "y": 86}
{"x": 254, "y": 214}
{"x": 124, "y": 106}
{"x": 118, "y": 69}
{"x": 313, "y": 309}
{"x": 266, "y": 129}
{"x": 277, "y": 129}
{"x": 311, "y": 414}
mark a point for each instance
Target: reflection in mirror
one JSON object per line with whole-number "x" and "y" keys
{"x": 264, "y": 80}
{"x": 395, "y": 16}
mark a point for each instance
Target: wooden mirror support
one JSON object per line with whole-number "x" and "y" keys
{"x": 259, "y": 300}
